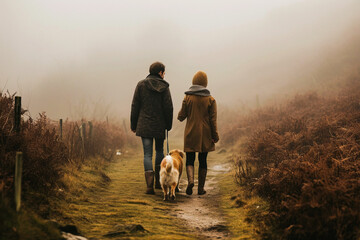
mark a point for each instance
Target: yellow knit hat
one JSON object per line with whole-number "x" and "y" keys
{"x": 200, "y": 78}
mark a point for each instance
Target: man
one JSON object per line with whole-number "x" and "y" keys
{"x": 151, "y": 114}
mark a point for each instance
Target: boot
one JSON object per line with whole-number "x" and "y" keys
{"x": 201, "y": 183}
{"x": 149, "y": 177}
{"x": 190, "y": 176}
{"x": 157, "y": 177}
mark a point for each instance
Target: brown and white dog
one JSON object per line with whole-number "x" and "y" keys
{"x": 170, "y": 172}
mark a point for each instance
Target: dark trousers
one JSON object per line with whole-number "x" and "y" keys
{"x": 202, "y": 156}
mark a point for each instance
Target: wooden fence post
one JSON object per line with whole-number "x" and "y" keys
{"x": 61, "y": 129}
{"x": 90, "y": 146}
{"x": 83, "y": 136}
{"x": 17, "y": 111}
{"x": 90, "y": 130}
{"x": 18, "y": 173}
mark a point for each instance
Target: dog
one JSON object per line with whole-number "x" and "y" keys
{"x": 170, "y": 172}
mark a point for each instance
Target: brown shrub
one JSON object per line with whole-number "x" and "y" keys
{"x": 304, "y": 159}
{"x": 94, "y": 138}
{"x": 44, "y": 153}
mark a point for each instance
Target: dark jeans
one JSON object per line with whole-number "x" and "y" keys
{"x": 148, "y": 152}
{"x": 190, "y": 159}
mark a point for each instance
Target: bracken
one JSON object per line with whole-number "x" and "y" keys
{"x": 304, "y": 160}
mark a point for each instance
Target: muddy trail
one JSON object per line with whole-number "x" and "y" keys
{"x": 202, "y": 214}
{"x": 118, "y": 208}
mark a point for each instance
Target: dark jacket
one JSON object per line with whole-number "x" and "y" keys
{"x": 151, "y": 109}
{"x": 199, "y": 107}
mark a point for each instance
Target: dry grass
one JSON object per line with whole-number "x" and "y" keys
{"x": 303, "y": 158}
{"x": 47, "y": 157}
{"x": 45, "y": 154}
{"x": 98, "y": 200}
{"x": 241, "y": 209}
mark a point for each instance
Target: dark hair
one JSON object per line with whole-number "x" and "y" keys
{"x": 156, "y": 67}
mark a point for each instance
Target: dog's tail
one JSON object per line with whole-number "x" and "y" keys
{"x": 168, "y": 165}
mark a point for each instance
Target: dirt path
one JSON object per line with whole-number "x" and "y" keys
{"x": 202, "y": 213}
{"x": 103, "y": 207}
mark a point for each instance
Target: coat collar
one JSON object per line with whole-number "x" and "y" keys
{"x": 198, "y": 90}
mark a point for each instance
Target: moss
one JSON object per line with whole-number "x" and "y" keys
{"x": 238, "y": 207}
{"x": 119, "y": 198}
{"x": 24, "y": 225}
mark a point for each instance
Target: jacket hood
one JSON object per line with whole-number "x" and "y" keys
{"x": 200, "y": 78}
{"x": 156, "y": 83}
{"x": 198, "y": 90}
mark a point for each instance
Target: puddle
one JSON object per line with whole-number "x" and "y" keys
{"x": 221, "y": 168}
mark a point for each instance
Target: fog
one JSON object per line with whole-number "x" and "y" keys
{"x": 83, "y": 58}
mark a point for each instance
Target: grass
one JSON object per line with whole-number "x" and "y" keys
{"x": 25, "y": 225}
{"x": 242, "y": 209}
{"x": 98, "y": 198}
{"x": 101, "y": 195}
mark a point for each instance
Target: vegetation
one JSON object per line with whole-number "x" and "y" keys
{"x": 25, "y": 225}
{"x": 297, "y": 168}
{"x": 47, "y": 157}
{"x": 98, "y": 201}
{"x": 303, "y": 159}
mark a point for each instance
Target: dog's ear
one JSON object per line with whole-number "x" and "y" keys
{"x": 182, "y": 154}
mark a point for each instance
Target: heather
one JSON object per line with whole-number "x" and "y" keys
{"x": 303, "y": 158}
{"x": 46, "y": 153}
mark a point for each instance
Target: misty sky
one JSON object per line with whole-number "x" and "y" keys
{"x": 83, "y": 58}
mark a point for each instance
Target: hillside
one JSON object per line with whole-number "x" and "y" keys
{"x": 302, "y": 157}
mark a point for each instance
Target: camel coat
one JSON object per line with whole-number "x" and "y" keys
{"x": 199, "y": 107}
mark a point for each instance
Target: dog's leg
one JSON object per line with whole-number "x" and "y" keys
{"x": 165, "y": 190}
{"x": 173, "y": 186}
{"x": 177, "y": 189}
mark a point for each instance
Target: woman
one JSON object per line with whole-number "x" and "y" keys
{"x": 199, "y": 107}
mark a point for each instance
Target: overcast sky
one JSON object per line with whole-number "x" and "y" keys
{"x": 83, "y": 58}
